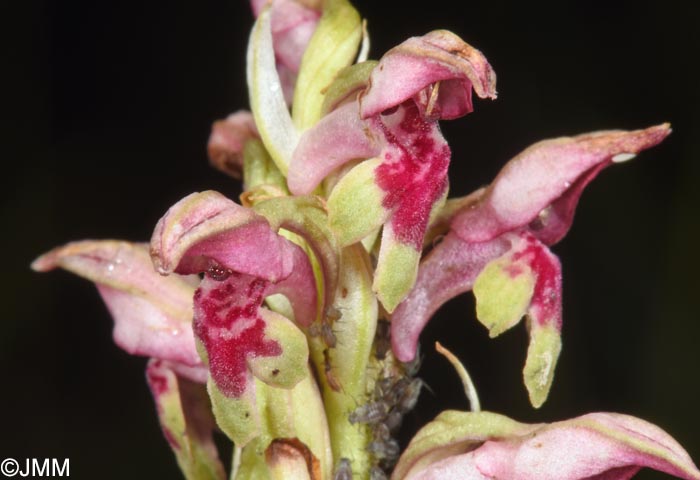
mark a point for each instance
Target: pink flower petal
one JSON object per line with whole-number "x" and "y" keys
{"x": 339, "y": 137}
{"x": 450, "y": 269}
{"x": 439, "y": 56}
{"x": 581, "y": 448}
{"x": 206, "y": 231}
{"x": 536, "y": 192}
{"x": 484, "y": 445}
{"x": 413, "y": 172}
{"x": 230, "y": 329}
{"x": 152, "y": 314}
{"x": 549, "y": 173}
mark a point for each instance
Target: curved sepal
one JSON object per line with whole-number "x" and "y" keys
{"x": 292, "y": 24}
{"x": 437, "y": 70}
{"x": 207, "y": 227}
{"x": 267, "y": 101}
{"x": 152, "y": 314}
{"x": 451, "y": 433}
{"x": 487, "y": 446}
{"x": 185, "y": 417}
{"x": 333, "y": 47}
{"x": 541, "y": 186}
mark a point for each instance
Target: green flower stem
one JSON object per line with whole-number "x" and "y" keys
{"x": 348, "y": 360}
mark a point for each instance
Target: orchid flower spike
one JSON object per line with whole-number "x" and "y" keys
{"x": 291, "y": 321}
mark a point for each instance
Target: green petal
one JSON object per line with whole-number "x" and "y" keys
{"x": 397, "y": 269}
{"x": 286, "y": 414}
{"x": 238, "y": 417}
{"x": 289, "y": 368}
{"x": 503, "y": 291}
{"x": 355, "y": 204}
{"x": 542, "y": 355}
{"x": 333, "y": 46}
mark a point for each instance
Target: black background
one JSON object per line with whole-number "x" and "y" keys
{"x": 109, "y": 105}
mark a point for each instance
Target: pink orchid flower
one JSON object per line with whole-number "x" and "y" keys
{"x": 243, "y": 261}
{"x": 498, "y": 241}
{"x": 489, "y": 446}
{"x": 393, "y": 127}
{"x": 152, "y": 314}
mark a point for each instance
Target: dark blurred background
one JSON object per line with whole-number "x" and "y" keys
{"x": 109, "y": 106}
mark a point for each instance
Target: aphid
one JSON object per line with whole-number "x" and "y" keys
{"x": 388, "y": 450}
{"x": 343, "y": 470}
{"x": 328, "y": 335}
{"x": 376, "y": 473}
{"x": 328, "y": 370}
{"x": 370, "y": 413}
{"x": 407, "y": 395}
{"x": 390, "y": 388}
{"x": 315, "y": 329}
{"x": 381, "y": 432}
{"x": 382, "y": 389}
{"x": 333, "y": 314}
{"x": 393, "y": 420}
